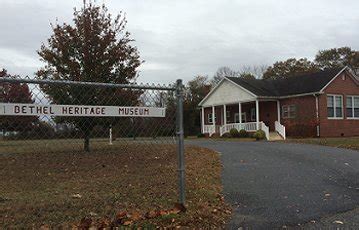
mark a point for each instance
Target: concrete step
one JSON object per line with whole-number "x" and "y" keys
{"x": 274, "y": 136}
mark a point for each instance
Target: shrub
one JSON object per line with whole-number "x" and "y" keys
{"x": 234, "y": 132}
{"x": 259, "y": 135}
{"x": 200, "y": 135}
{"x": 226, "y": 135}
{"x": 243, "y": 133}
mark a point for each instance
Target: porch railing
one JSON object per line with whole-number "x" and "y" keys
{"x": 210, "y": 129}
{"x": 280, "y": 129}
{"x": 248, "y": 126}
{"x": 265, "y": 129}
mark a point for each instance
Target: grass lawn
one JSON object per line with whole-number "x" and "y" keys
{"x": 133, "y": 185}
{"x": 340, "y": 142}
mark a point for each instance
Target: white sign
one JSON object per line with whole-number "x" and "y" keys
{"x": 13, "y": 109}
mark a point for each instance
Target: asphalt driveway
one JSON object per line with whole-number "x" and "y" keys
{"x": 276, "y": 184}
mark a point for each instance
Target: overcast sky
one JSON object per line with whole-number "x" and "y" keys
{"x": 181, "y": 39}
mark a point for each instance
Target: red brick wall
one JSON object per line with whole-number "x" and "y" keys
{"x": 338, "y": 127}
{"x": 304, "y": 124}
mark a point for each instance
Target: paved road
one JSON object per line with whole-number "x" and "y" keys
{"x": 275, "y": 184}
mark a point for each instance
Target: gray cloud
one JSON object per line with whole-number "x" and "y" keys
{"x": 179, "y": 39}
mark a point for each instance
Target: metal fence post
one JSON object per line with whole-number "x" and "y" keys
{"x": 180, "y": 137}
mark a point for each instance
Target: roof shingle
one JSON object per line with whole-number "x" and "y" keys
{"x": 300, "y": 84}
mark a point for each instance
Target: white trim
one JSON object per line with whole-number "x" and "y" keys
{"x": 202, "y": 120}
{"x": 219, "y": 83}
{"x": 334, "y": 106}
{"x": 214, "y": 118}
{"x": 353, "y": 107}
{"x": 257, "y": 114}
{"x": 290, "y": 96}
{"x": 239, "y": 112}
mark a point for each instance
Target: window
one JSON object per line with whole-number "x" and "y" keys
{"x": 228, "y": 115}
{"x": 209, "y": 118}
{"x": 335, "y": 106}
{"x": 289, "y": 111}
{"x": 253, "y": 114}
{"x": 244, "y": 117}
{"x": 236, "y": 117}
{"x": 352, "y": 106}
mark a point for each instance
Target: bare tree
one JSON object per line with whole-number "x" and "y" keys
{"x": 255, "y": 70}
{"x": 223, "y": 71}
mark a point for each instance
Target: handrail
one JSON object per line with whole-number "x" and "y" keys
{"x": 280, "y": 129}
{"x": 265, "y": 129}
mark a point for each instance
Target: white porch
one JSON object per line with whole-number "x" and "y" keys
{"x": 229, "y": 105}
{"x": 221, "y": 119}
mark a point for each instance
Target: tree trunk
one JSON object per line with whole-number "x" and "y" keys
{"x": 87, "y": 141}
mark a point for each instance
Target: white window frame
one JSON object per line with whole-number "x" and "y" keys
{"x": 291, "y": 113}
{"x": 209, "y": 118}
{"x": 335, "y": 106}
{"x": 353, "y": 107}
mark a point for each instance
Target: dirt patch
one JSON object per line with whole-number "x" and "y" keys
{"x": 67, "y": 189}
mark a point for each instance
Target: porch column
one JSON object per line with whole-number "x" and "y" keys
{"x": 224, "y": 114}
{"x": 213, "y": 119}
{"x": 257, "y": 114}
{"x": 278, "y": 111}
{"x": 202, "y": 120}
{"x": 240, "y": 112}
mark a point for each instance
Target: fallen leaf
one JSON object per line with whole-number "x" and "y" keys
{"x": 121, "y": 215}
{"x": 151, "y": 214}
{"x": 136, "y": 216}
{"x": 77, "y": 196}
{"x": 128, "y": 222}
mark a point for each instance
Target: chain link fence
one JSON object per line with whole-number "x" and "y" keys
{"x": 123, "y": 126}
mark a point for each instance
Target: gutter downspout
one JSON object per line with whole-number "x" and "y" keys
{"x": 317, "y": 113}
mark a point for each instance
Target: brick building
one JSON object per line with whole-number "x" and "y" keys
{"x": 322, "y": 104}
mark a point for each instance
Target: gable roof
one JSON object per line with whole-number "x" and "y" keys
{"x": 299, "y": 84}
